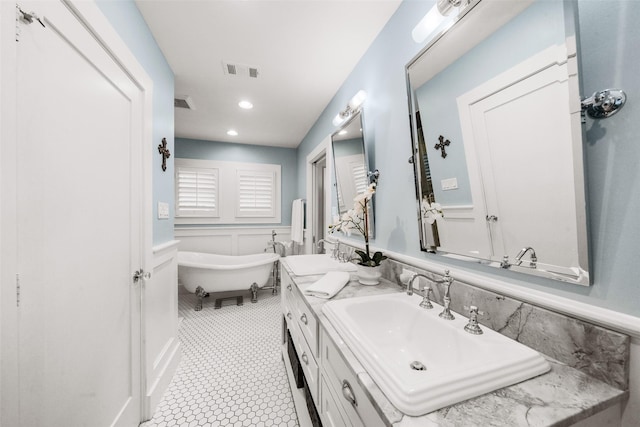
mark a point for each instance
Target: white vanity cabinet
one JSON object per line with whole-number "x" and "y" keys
{"x": 303, "y": 328}
{"x": 333, "y": 386}
{"x": 349, "y": 398}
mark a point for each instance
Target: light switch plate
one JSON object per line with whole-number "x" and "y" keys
{"x": 163, "y": 210}
{"x": 449, "y": 184}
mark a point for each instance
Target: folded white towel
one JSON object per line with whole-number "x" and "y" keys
{"x": 330, "y": 284}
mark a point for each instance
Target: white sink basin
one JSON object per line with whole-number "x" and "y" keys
{"x": 387, "y": 333}
{"x": 309, "y": 265}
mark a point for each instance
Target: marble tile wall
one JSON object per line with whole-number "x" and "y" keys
{"x": 599, "y": 352}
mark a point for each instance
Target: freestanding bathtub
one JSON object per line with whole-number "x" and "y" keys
{"x": 202, "y": 273}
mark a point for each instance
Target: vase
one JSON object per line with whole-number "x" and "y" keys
{"x": 369, "y": 275}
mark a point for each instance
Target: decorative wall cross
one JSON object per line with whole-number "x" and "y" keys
{"x": 162, "y": 149}
{"x": 440, "y": 146}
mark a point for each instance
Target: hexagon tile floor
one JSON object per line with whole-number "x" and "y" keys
{"x": 231, "y": 372}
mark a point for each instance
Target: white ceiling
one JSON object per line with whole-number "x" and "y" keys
{"x": 303, "y": 50}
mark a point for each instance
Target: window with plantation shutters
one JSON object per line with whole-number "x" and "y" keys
{"x": 197, "y": 192}
{"x": 220, "y": 192}
{"x": 256, "y": 194}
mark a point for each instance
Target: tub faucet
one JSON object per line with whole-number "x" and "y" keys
{"x": 522, "y": 253}
{"x": 448, "y": 281}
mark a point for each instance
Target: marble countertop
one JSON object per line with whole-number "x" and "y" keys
{"x": 561, "y": 397}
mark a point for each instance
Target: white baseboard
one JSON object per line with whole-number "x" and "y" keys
{"x": 168, "y": 366}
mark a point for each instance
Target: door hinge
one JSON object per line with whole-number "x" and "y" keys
{"x": 17, "y": 290}
{"x": 27, "y": 18}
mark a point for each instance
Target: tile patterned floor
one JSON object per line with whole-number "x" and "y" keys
{"x": 231, "y": 372}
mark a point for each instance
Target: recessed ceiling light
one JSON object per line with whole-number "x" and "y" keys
{"x": 232, "y": 132}
{"x": 342, "y": 132}
{"x": 245, "y": 105}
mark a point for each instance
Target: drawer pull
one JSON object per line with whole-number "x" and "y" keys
{"x": 305, "y": 358}
{"x": 348, "y": 393}
{"x": 303, "y": 319}
{"x": 289, "y": 287}
{"x": 289, "y": 316}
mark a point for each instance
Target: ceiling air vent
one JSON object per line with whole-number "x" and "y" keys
{"x": 183, "y": 101}
{"x": 231, "y": 69}
{"x": 239, "y": 70}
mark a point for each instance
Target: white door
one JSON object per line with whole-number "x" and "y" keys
{"x": 521, "y": 124}
{"x": 79, "y": 227}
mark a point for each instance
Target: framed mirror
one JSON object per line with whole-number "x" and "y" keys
{"x": 497, "y": 139}
{"x": 351, "y": 165}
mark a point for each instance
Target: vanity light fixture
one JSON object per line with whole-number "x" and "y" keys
{"x": 373, "y": 176}
{"x": 232, "y": 132}
{"x": 440, "y": 16}
{"x": 245, "y": 105}
{"x": 604, "y": 104}
{"x": 352, "y": 107}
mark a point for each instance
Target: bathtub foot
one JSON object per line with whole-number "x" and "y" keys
{"x": 200, "y": 293}
{"x": 254, "y": 292}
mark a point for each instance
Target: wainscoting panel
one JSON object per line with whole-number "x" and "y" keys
{"x": 162, "y": 349}
{"x": 229, "y": 240}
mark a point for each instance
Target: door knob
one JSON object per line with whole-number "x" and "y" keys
{"x": 141, "y": 275}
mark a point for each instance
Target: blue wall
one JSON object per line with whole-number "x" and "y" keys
{"x": 612, "y": 151}
{"x": 128, "y": 22}
{"x": 230, "y": 152}
{"x": 437, "y": 98}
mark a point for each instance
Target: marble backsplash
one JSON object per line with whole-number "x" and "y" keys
{"x": 599, "y": 352}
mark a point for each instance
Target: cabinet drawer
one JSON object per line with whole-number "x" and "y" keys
{"x": 308, "y": 363}
{"x": 286, "y": 297}
{"x": 355, "y": 402}
{"x": 308, "y": 324}
{"x": 330, "y": 412}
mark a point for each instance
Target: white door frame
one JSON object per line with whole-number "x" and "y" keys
{"x": 97, "y": 24}
{"x": 322, "y": 149}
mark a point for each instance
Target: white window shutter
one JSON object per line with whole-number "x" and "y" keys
{"x": 197, "y": 192}
{"x": 359, "y": 177}
{"x": 256, "y": 194}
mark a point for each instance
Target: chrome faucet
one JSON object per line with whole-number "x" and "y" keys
{"x": 410, "y": 283}
{"x": 522, "y": 253}
{"x": 448, "y": 281}
{"x": 321, "y": 241}
{"x": 505, "y": 262}
{"x": 426, "y": 302}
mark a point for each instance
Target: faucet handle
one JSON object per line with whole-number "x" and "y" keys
{"x": 426, "y": 302}
{"x": 472, "y": 327}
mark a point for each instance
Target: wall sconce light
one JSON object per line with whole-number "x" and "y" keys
{"x": 352, "y": 107}
{"x": 373, "y": 176}
{"x": 439, "y": 17}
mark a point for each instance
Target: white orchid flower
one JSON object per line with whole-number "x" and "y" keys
{"x": 431, "y": 212}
